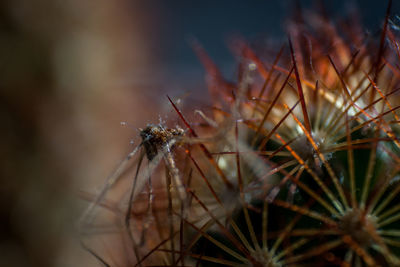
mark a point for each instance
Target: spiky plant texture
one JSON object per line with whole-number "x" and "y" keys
{"x": 295, "y": 164}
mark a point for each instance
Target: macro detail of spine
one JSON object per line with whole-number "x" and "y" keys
{"x": 297, "y": 163}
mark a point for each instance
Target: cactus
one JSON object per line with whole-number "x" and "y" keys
{"x": 295, "y": 164}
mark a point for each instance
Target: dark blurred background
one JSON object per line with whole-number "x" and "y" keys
{"x": 71, "y": 71}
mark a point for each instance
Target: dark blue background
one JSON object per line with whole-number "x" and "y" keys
{"x": 213, "y": 22}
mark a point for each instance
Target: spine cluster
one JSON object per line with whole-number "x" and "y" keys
{"x": 297, "y": 163}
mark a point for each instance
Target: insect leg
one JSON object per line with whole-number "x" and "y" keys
{"x": 88, "y": 216}
{"x": 100, "y": 259}
{"x": 128, "y": 211}
{"x": 174, "y": 172}
{"x": 138, "y": 183}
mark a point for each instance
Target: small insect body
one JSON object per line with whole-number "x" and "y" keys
{"x": 158, "y": 143}
{"x": 156, "y": 137}
{"x": 159, "y": 139}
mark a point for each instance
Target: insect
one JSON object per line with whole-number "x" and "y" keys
{"x": 158, "y": 143}
{"x": 156, "y": 139}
